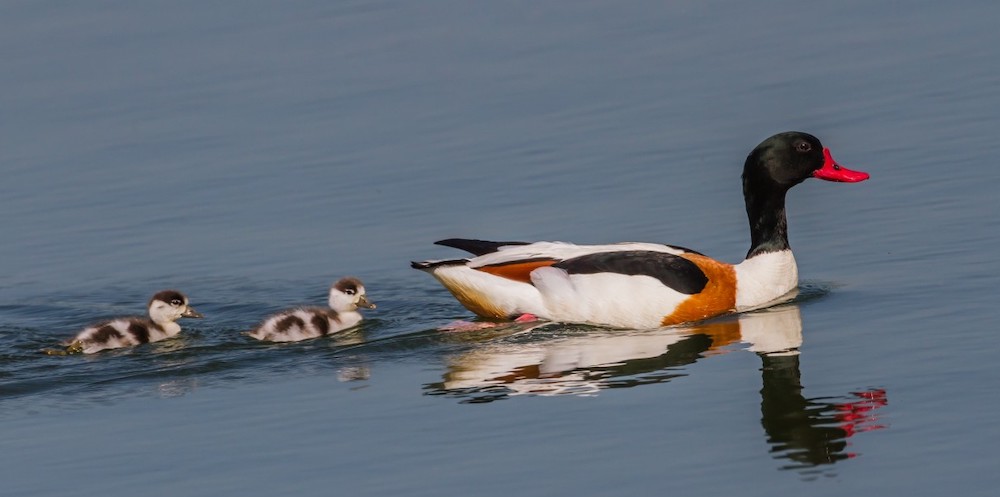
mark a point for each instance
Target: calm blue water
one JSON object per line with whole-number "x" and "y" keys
{"x": 249, "y": 153}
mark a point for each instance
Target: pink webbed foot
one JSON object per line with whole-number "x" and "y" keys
{"x": 457, "y": 326}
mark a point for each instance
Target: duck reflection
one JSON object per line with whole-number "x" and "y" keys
{"x": 808, "y": 432}
{"x": 811, "y": 432}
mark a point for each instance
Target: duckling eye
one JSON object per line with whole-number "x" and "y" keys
{"x": 349, "y": 292}
{"x": 803, "y": 146}
{"x": 175, "y": 302}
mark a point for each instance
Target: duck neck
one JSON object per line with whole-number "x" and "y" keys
{"x": 168, "y": 327}
{"x": 765, "y": 201}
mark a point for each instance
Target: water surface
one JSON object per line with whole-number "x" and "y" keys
{"x": 249, "y": 153}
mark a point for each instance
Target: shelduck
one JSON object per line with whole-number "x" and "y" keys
{"x": 647, "y": 285}
{"x": 302, "y": 323}
{"x": 165, "y": 308}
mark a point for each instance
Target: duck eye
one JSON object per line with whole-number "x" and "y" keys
{"x": 349, "y": 292}
{"x": 803, "y": 146}
{"x": 175, "y": 302}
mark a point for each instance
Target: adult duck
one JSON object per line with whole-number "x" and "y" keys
{"x": 647, "y": 285}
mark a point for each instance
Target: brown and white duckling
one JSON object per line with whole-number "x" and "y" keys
{"x": 165, "y": 308}
{"x": 302, "y": 323}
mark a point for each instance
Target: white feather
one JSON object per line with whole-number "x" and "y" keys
{"x": 764, "y": 279}
{"x": 610, "y": 299}
{"x": 509, "y": 296}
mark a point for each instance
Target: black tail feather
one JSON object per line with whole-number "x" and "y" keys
{"x": 475, "y": 247}
{"x": 424, "y": 265}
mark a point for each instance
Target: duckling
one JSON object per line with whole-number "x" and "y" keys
{"x": 302, "y": 323}
{"x": 165, "y": 308}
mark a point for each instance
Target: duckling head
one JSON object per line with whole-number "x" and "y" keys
{"x": 348, "y": 294}
{"x": 169, "y": 306}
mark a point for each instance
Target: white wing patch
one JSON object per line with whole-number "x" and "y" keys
{"x": 489, "y": 295}
{"x": 611, "y": 299}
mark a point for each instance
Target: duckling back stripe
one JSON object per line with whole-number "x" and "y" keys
{"x": 140, "y": 332}
{"x": 321, "y": 323}
{"x": 106, "y": 333}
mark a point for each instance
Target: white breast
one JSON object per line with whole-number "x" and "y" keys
{"x": 765, "y": 278}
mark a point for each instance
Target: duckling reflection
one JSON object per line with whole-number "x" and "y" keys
{"x": 807, "y": 432}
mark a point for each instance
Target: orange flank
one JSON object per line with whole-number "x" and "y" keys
{"x": 717, "y": 298}
{"x": 517, "y": 271}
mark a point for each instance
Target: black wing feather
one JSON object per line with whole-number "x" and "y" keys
{"x": 475, "y": 247}
{"x": 673, "y": 271}
{"x": 424, "y": 265}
